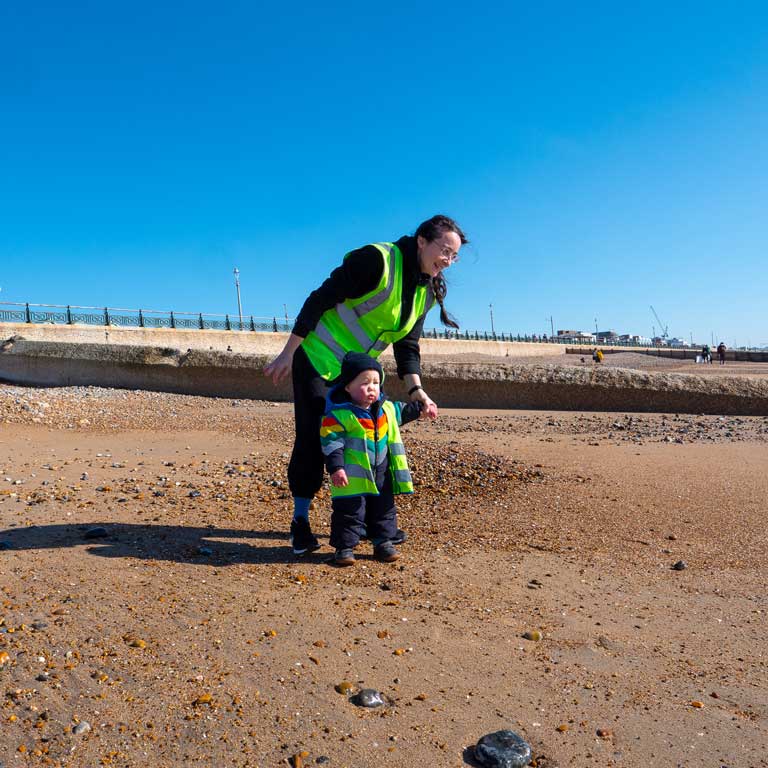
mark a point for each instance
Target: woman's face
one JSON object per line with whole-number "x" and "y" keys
{"x": 438, "y": 254}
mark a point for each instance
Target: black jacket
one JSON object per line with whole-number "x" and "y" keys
{"x": 359, "y": 274}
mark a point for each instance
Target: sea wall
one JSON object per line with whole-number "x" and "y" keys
{"x": 501, "y": 384}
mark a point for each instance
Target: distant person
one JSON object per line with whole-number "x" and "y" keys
{"x": 721, "y": 352}
{"x": 597, "y": 355}
{"x": 365, "y": 459}
{"x": 706, "y": 354}
{"x": 379, "y": 296}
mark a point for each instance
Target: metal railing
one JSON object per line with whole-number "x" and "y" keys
{"x": 57, "y": 314}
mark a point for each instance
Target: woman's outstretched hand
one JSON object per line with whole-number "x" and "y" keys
{"x": 280, "y": 367}
{"x": 429, "y": 407}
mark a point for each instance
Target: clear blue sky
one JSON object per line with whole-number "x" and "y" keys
{"x": 601, "y": 157}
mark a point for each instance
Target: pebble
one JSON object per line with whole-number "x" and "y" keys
{"x": 81, "y": 728}
{"x": 344, "y": 687}
{"x": 503, "y": 749}
{"x": 532, "y": 634}
{"x": 680, "y": 565}
{"x": 98, "y": 532}
{"x": 368, "y": 697}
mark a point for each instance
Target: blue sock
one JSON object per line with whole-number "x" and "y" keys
{"x": 301, "y": 508}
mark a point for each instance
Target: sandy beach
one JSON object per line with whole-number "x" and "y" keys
{"x": 153, "y": 613}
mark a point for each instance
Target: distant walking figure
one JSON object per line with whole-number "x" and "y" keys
{"x": 706, "y": 354}
{"x": 721, "y": 353}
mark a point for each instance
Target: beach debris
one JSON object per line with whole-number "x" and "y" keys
{"x": 368, "y": 697}
{"x": 503, "y": 749}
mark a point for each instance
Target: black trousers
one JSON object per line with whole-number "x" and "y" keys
{"x": 353, "y": 516}
{"x": 306, "y": 467}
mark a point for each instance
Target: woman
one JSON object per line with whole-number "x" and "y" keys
{"x": 379, "y": 296}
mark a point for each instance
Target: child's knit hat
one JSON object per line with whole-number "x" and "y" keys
{"x": 353, "y": 364}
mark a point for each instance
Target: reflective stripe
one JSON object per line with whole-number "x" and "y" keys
{"x": 383, "y": 294}
{"x": 351, "y": 320}
{"x": 329, "y": 448}
{"x": 355, "y": 470}
{"x": 378, "y": 346}
{"x": 397, "y": 449}
{"x": 402, "y": 476}
{"x": 325, "y": 336}
{"x": 356, "y": 444}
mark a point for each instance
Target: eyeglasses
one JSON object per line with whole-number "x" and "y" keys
{"x": 447, "y": 253}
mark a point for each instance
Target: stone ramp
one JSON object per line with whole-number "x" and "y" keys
{"x": 501, "y": 385}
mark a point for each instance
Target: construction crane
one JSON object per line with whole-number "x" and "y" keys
{"x": 663, "y": 328}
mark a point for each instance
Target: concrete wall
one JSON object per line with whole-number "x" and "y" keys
{"x": 247, "y": 342}
{"x": 495, "y": 385}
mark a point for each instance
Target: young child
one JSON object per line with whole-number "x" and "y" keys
{"x": 365, "y": 458}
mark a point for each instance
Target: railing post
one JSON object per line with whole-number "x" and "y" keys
{"x": 202, "y": 324}
{"x": 141, "y": 319}
{"x": 253, "y": 326}
{"x": 69, "y": 316}
{"x": 173, "y": 320}
{"x": 227, "y": 324}
{"x": 28, "y": 313}
{"x": 106, "y": 316}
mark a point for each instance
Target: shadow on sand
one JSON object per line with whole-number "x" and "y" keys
{"x": 206, "y": 545}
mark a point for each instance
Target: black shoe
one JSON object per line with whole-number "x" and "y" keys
{"x": 344, "y": 557}
{"x": 302, "y": 538}
{"x": 386, "y": 552}
{"x": 399, "y": 537}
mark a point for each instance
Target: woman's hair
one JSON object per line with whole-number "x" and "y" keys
{"x": 430, "y": 230}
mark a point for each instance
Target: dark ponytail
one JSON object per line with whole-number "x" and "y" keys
{"x": 430, "y": 230}
{"x": 440, "y": 288}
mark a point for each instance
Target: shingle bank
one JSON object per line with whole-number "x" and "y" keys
{"x": 501, "y": 384}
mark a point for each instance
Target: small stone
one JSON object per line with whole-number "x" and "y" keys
{"x": 98, "y": 532}
{"x": 81, "y": 728}
{"x": 322, "y": 760}
{"x": 503, "y": 749}
{"x": 608, "y": 644}
{"x": 368, "y": 697}
{"x": 604, "y": 733}
{"x": 344, "y": 687}
{"x": 4, "y": 658}
{"x": 697, "y": 704}
{"x": 532, "y": 634}
{"x": 562, "y": 728}
{"x": 680, "y": 565}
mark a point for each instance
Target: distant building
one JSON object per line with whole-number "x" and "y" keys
{"x": 634, "y": 339}
{"x": 607, "y": 337}
{"x": 576, "y": 337}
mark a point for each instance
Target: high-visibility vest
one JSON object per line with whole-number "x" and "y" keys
{"x": 357, "y": 464}
{"x": 367, "y": 324}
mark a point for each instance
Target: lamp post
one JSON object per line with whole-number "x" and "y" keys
{"x": 239, "y": 304}
{"x": 493, "y": 331}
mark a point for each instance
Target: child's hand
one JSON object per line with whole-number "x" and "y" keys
{"x": 339, "y": 478}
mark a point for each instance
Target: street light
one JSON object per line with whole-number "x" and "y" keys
{"x": 493, "y": 332}
{"x": 239, "y": 305}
